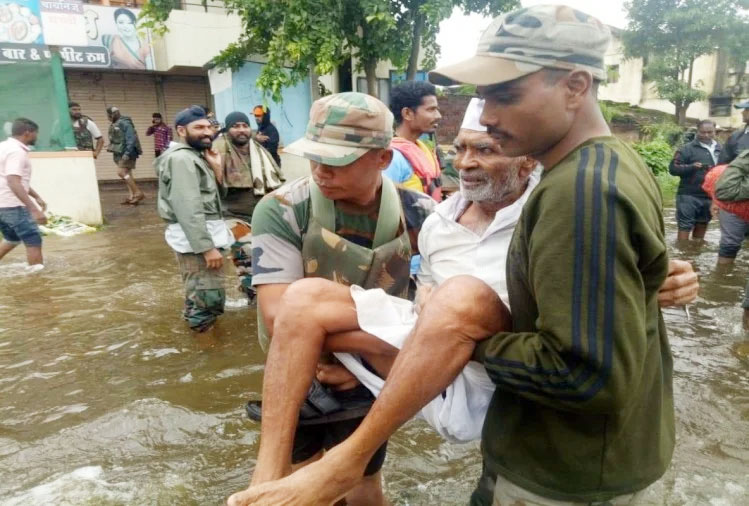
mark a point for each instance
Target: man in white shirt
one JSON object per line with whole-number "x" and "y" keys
{"x": 85, "y": 130}
{"x": 468, "y": 234}
{"x": 19, "y": 214}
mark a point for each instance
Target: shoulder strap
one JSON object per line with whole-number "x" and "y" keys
{"x": 322, "y": 208}
{"x": 388, "y": 217}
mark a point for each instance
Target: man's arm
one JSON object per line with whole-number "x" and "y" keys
{"x": 41, "y": 203}
{"x": 130, "y": 138}
{"x": 733, "y": 184}
{"x": 682, "y": 165}
{"x": 589, "y": 348}
{"x": 99, "y": 146}
{"x": 729, "y": 150}
{"x": 150, "y": 130}
{"x": 187, "y": 205}
{"x": 16, "y": 186}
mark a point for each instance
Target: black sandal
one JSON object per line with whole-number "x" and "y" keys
{"x": 319, "y": 407}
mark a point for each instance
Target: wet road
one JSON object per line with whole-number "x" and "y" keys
{"x": 108, "y": 399}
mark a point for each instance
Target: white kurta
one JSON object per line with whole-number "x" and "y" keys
{"x": 448, "y": 249}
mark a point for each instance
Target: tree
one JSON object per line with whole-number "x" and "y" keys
{"x": 301, "y": 38}
{"x": 671, "y": 34}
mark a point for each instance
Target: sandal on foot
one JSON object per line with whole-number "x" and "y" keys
{"x": 134, "y": 201}
{"x": 319, "y": 407}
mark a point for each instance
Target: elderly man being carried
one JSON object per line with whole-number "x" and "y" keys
{"x": 464, "y": 244}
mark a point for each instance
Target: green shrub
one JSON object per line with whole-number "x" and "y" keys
{"x": 668, "y": 184}
{"x": 656, "y": 154}
{"x": 667, "y": 131}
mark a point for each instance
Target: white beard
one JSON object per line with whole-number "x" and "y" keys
{"x": 494, "y": 191}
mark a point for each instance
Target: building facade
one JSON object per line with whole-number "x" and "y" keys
{"x": 723, "y": 84}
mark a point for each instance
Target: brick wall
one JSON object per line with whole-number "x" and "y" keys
{"x": 452, "y": 107}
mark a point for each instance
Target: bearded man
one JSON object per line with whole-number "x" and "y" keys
{"x": 190, "y": 203}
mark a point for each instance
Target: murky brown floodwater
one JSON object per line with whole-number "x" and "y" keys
{"x": 106, "y": 398}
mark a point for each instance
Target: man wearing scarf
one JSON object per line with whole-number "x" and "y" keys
{"x": 248, "y": 171}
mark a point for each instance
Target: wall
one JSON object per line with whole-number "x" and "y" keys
{"x": 194, "y": 38}
{"x": 452, "y": 108}
{"x": 631, "y": 89}
{"x": 67, "y": 182}
{"x": 290, "y": 116}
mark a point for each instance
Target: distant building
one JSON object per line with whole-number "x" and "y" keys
{"x": 712, "y": 74}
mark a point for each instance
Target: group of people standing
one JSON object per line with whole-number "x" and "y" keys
{"x": 536, "y": 324}
{"x": 695, "y": 207}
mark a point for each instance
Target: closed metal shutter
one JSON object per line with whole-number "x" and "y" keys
{"x": 135, "y": 96}
{"x": 184, "y": 91}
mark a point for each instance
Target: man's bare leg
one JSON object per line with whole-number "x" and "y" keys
{"x": 34, "y": 255}
{"x": 310, "y": 309}
{"x": 461, "y": 312}
{"x": 6, "y": 247}
{"x": 699, "y": 231}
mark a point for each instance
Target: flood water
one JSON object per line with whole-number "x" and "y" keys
{"x": 108, "y": 399}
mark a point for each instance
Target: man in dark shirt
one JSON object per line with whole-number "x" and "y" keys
{"x": 267, "y": 133}
{"x": 739, "y": 140}
{"x": 691, "y": 162}
{"x": 732, "y": 228}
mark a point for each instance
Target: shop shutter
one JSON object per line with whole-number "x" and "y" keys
{"x": 134, "y": 94}
{"x": 184, "y": 91}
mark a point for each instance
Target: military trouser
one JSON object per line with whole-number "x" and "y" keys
{"x": 204, "y": 291}
{"x": 499, "y": 491}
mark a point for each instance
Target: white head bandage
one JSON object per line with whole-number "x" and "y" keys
{"x": 472, "y": 116}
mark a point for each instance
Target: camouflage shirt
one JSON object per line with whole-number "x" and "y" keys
{"x": 280, "y": 220}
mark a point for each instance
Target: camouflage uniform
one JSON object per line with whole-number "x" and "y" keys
{"x": 84, "y": 140}
{"x": 189, "y": 201}
{"x": 123, "y": 140}
{"x": 299, "y": 233}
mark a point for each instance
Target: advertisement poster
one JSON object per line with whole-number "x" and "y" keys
{"x": 20, "y": 22}
{"x": 115, "y": 28}
{"x": 111, "y": 38}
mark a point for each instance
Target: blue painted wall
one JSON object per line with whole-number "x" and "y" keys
{"x": 290, "y": 117}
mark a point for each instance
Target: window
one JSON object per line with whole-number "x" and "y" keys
{"x": 612, "y": 74}
{"x": 720, "y": 106}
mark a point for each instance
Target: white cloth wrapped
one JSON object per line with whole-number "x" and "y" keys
{"x": 459, "y": 415}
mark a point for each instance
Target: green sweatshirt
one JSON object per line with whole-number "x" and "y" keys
{"x": 188, "y": 194}
{"x": 733, "y": 184}
{"x": 583, "y": 409}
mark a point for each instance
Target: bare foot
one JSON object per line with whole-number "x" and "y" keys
{"x": 336, "y": 376}
{"x": 322, "y": 482}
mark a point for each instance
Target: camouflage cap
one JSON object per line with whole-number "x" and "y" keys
{"x": 526, "y": 40}
{"x": 343, "y": 127}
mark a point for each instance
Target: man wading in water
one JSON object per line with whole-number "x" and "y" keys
{"x": 584, "y": 369}
{"x": 190, "y": 203}
{"x": 344, "y": 223}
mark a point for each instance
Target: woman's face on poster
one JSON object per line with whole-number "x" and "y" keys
{"x": 125, "y": 25}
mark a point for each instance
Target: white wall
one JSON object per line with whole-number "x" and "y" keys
{"x": 67, "y": 182}
{"x": 630, "y": 88}
{"x": 194, "y": 38}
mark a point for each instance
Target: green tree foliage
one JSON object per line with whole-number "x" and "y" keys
{"x": 297, "y": 37}
{"x": 671, "y": 34}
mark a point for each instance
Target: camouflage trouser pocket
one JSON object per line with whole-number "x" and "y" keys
{"x": 204, "y": 290}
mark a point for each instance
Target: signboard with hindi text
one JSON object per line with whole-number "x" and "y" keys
{"x": 63, "y": 22}
{"x": 86, "y": 36}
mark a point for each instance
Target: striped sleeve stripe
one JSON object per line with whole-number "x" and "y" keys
{"x": 518, "y": 375}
